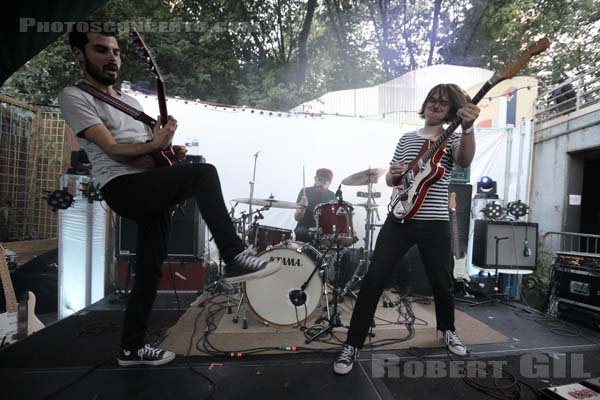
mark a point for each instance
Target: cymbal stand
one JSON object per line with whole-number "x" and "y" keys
{"x": 363, "y": 265}
{"x": 252, "y": 184}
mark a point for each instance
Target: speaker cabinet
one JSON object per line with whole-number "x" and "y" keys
{"x": 187, "y": 231}
{"x": 186, "y": 240}
{"x": 409, "y": 274}
{"x": 513, "y": 240}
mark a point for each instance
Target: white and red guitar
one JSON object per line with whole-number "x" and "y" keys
{"x": 19, "y": 319}
{"x": 425, "y": 169}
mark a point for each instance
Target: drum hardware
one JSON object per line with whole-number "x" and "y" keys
{"x": 243, "y": 310}
{"x": 334, "y": 317}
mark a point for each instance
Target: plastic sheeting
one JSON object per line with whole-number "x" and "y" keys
{"x": 81, "y": 253}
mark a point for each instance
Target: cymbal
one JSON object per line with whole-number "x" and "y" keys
{"x": 269, "y": 203}
{"x": 365, "y": 177}
{"x": 366, "y": 205}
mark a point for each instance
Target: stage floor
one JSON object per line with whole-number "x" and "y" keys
{"x": 75, "y": 359}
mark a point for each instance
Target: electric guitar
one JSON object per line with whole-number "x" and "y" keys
{"x": 19, "y": 319}
{"x": 165, "y": 157}
{"x": 460, "y": 258}
{"x": 425, "y": 169}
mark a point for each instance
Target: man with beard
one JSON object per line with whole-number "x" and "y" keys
{"x": 119, "y": 148}
{"x": 310, "y": 197}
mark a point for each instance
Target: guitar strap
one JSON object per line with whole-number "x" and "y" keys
{"x": 118, "y": 104}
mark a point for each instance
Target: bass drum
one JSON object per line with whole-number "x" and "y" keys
{"x": 269, "y": 297}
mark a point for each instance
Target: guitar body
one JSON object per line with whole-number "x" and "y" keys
{"x": 28, "y": 322}
{"x": 415, "y": 184}
{"x": 19, "y": 319}
{"x": 164, "y": 158}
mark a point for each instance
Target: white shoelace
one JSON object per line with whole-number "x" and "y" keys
{"x": 250, "y": 261}
{"x": 347, "y": 354}
{"x": 148, "y": 350}
{"x": 453, "y": 339}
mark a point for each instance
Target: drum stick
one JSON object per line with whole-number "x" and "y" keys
{"x": 303, "y": 181}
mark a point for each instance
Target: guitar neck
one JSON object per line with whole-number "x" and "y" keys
{"x": 455, "y": 242}
{"x": 9, "y": 291}
{"x": 162, "y": 102}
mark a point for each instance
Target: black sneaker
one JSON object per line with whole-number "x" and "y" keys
{"x": 246, "y": 266}
{"x": 147, "y": 355}
{"x": 345, "y": 360}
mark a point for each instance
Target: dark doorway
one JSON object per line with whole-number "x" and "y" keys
{"x": 590, "y": 202}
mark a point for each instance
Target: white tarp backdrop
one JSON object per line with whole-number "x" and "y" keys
{"x": 229, "y": 138}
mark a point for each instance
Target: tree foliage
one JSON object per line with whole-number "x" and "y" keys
{"x": 277, "y": 53}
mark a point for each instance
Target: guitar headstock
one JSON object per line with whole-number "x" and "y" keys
{"x": 452, "y": 201}
{"x": 143, "y": 50}
{"x": 509, "y": 70}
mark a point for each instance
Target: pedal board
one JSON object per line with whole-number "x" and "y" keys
{"x": 573, "y": 391}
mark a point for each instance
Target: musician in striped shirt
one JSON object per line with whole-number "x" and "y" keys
{"x": 428, "y": 229}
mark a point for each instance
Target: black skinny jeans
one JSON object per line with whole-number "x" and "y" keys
{"x": 147, "y": 198}
{"x": 394, "y": 240}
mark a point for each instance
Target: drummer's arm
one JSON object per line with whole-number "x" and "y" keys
{"x": 303, "y": 200}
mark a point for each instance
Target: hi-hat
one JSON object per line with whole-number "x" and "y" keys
{"x": 269, "y": 203}
{"x": 365, "y": 177}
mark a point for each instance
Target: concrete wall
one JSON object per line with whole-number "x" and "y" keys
{"x": 560, "y": 146}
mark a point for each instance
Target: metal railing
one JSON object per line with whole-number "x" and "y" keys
{"x": 570, "y": 241}
{"x": 31, "y": 163}
{"x": 568, "y": 96}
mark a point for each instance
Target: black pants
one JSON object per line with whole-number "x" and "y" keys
{"x": 147, "y": 198}
{"x": 394, "y": 240}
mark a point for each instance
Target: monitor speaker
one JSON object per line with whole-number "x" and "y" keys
{"x": 516, "y": 244}
{"x": 187, "y": 231}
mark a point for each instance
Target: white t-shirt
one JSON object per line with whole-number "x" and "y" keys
{"x": 82, "y": 110}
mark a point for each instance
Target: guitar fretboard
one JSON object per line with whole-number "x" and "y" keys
{"x": 9, "y": 291}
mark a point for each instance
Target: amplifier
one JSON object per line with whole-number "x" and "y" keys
{"x": 576, "y": 279}
{"x": 185, "y": 276}
{"x": 578, "y": 261}
{"x": 186, "y": 241}
{"x": 505, "y": 244}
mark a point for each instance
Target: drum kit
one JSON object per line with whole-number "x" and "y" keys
{"x": 292, "y": 294}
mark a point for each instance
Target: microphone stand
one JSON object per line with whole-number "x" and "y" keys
{"x": 495, "y": 295}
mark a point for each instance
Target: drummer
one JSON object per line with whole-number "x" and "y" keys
{"x": 310, "y": 197}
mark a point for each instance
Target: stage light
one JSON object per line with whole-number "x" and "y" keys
{"x": 486, "y": 183}
{"x": 486, "y": 188}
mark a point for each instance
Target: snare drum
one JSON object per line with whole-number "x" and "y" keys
{"x": 269, "y": 297}
{"x": 267, "y": 236}
{"x": 335, "y": 218}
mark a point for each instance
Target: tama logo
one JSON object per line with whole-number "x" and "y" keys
{"x": 288, "y": 261}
